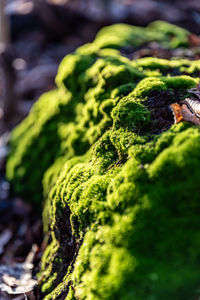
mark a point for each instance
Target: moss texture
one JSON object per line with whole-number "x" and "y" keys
{"x": 121, "y": 203}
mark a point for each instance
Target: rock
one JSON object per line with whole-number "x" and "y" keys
{"x": 120, "y": 179}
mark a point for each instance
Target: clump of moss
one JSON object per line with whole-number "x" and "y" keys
{"x": 121, "y": 203}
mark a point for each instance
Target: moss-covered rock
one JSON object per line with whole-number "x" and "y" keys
{"x": 120, "y": 181}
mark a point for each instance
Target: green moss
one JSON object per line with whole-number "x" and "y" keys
{"x": 130, "y": 114}
{"x": 148, "y": 85}
{"x": 181, "y": 82}
{"x": 121, "y": 204}
{"x": 145, "y": 243}
{"x": 122, "y": 35}
{"x": 169, "y": 35}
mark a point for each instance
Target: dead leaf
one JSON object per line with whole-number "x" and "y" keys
{"x": 189, "y": 116}
{"x": 193, "y": 104}
{"x": 176, "y": 109}
{"x": 183, "y": 113}
{"x": 32, "y": 253}
{"x": 194, "y": 40}
{"x": 17, "y": 278}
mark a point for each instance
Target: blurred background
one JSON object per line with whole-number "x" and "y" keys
{"x": 36, "y": 34}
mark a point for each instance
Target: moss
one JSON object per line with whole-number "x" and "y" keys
{"x": 169, "y": 35}
{"x": 130, "y": 114}
{"x": 181, "y": 82}
{"x": 121, "y": 203}
{"x": 148, "y": 85}
{"x": 122, "y": 35}
{"x": 148, "y": 204}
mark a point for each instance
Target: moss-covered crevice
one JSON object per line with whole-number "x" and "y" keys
{"x": 118, "y": 177}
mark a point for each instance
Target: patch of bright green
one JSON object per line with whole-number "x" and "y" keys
{"x": 132, "y": 198}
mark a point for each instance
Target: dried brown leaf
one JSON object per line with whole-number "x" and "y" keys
{"x": 176, "y": 109}
{"x": 189, "y": 116}
{"x": 183, "y": 113}
{"x": 194, "y": 40}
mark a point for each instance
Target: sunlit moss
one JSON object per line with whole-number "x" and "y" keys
{"x": 121, "y": 204}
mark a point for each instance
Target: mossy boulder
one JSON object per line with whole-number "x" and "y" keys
{"x": 120, "y": 181}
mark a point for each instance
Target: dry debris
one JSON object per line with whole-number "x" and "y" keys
{"x": 17, "y": 278}
{"x": 189, "y": 108}
{"x": 20, "y": 240}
